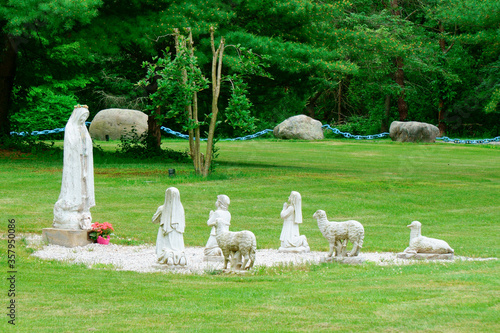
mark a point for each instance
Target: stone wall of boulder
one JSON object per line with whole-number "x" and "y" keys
{"x": 112, "y": 124}
{"x": 413, "y": 131}
{"x": 299, "y": 127}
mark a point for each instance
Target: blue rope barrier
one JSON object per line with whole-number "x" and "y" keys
{"x": 35, "y": 133}
{"x": 177, "y": 134}
{"x": 357, "y": 137}
{"x": 447, "y": 139}
{"x": 184, "y": 136}
{"x": 249, "y": 137}
{"x": 253, "y": 136}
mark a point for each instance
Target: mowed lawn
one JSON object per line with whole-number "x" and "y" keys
{"x": 452, "y": 190}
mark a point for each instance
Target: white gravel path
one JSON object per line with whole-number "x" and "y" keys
{"x": 143, "y": 258}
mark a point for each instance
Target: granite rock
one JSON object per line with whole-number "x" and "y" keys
{"x": 413, "y": 131}
{"x": 112, "y": 124}
{"x": 299, "y": 127}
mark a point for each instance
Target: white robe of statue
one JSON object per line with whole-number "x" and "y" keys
{"x": 291, "y": 240}
{"x": 212, "y": 249}
{"x": 72, "y": 209}
{"x": 170, "y": 239}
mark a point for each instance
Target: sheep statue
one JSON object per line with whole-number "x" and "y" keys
{"x": 235, "y": 245}
{"x": 339, "y": 233}
{"x": 422, "y": 247}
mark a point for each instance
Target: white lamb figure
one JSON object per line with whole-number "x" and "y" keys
{"x": 422, "y": 244}
{"x": 338, "y": 233}
{"x": 235, "y": 245}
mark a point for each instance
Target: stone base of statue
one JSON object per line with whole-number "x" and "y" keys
{"x": 298, "y": 249}
{"x": 213, "y": 258}
{"x": 166, "y": 267}
{"x": 66, "y": 237}
{"x": 425, "y": 256}
{"x": 236, "y": 271}
{"x": 344, "y": 260}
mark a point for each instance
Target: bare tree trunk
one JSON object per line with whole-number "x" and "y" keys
{"x": 199, "y": 160}
{"x": 192, "y": 108}
{"x": 311, "y": 103}
{"x": 193, "y": 114}
{"x": 8, "y": 57}
{"x": 198, "y": 156}
{"x": 154, "y": 131}
{"x": 217, "y": 56}
{"x": 341, "y": 96}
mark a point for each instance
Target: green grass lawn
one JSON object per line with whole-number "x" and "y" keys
{"x": 452, "y": 189}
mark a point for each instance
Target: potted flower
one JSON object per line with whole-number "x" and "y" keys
{"x": 101, "y": 232}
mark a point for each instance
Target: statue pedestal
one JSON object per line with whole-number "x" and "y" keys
{"x": 425, "y": 256}
{"x": 344, "y": 260}
{"x": 236, "y": 271}
{"x": 213, "y": 259}
{"x": 299, "y": 249}
{"x": 165, "y": 267}
{"x": 66, "y": 237}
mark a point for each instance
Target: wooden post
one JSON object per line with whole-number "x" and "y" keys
{"x": 217, "y": 56}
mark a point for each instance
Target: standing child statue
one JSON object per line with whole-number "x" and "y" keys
{"x": 212, "y": 249}
{"x": 291, "y": 240}
{"x": 72, "y": 209}
{"x": 170, "y": 240}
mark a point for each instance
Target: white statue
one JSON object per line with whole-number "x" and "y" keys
{"x": 338, "y": 233}
{"x": 422, "y": 244}
{"x": 170, "y": 239}
{"x": 236, "y": 246}
{"x": 291, "y": 240}
{"x": 72, "y": 209}
{"x": 212, "y": 249}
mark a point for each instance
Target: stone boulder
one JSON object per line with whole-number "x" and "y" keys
{"x": 413, "y": 131}
{"x": 299, "y": 127}
{"x": 112, "y": 124}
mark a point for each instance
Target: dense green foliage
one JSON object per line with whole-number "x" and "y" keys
{"x": 338, "y": 61}
{"x": 51, "y": 72}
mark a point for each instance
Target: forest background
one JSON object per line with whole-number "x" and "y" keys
{"x": 355, "y": 64}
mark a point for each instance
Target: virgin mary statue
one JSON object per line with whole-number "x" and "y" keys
{"x": 170, "y": 240}
{"x": 72, "y": 209}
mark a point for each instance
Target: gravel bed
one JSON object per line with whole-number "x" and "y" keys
{"x": 143, "y": 258}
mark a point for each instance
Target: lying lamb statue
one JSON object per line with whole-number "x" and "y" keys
{"x": 338, "y": 233}
{"x": 235, "y": 245}
{"x": 422, "y": 244}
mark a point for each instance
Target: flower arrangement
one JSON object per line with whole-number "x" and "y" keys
{"x": 103, "y": 230}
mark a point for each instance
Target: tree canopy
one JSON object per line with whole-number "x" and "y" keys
{"x": 353, "y": 63}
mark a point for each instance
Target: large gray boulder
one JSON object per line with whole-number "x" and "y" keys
{"x": 413, "y": 131}
{"x": 112, "y": 124}
{"x": 299, "y": 127}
